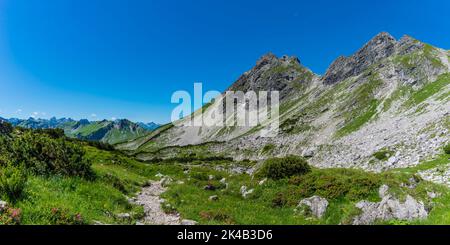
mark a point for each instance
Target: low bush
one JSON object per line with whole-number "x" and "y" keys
{"x": 12, "y": 182}
{"x": 279, "y": 168}
{"x": 43, "y": 155}
{"x": 382, "y": 155}
{"x": 447, "y": 149}
{"x": 5, "y": 128}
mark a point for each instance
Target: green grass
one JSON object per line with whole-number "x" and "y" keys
{"x": 276, "y": 200}
{"x": 428, "y": 90}
{"x": 360, "y": 120}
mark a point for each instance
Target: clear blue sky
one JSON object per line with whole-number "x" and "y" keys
{"x": 124, "y": 59}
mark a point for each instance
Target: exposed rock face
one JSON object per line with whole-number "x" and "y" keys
{"x": 316, "y": 205}
{"x": 390, "y": 208}
{"x": 380, "y": 47}
{"x": 274, "y": 74}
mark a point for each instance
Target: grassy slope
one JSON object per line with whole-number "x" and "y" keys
{"x": 98, "y": 200}
{"x": 272, "y": 203}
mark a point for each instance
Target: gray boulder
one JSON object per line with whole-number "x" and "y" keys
{"x": 389, "y": 208}
{"x": 315, "y": 204}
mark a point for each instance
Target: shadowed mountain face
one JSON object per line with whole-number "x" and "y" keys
{"x": 391, "y": 95}
{"x": 111, "y": 132}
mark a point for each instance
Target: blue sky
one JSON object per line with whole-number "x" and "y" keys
{"x": 123, "y": 59}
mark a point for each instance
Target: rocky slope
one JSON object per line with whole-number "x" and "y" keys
{"x": 391, "y": 97}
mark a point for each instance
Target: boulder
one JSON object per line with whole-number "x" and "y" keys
{"x": 188, "y": 222}
{"x": 389, "y": 208}
{"x": 316, "y": 205}
{"x": 213, "y": 198}
{"x": 3, "y": 205}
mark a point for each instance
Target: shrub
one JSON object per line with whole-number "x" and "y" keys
{"x": 5, "y": 128}
{"x": 279, "y": 168}
{"x": 12, "y": 182}
{"x": 217, "y": 215}
{"x": 447, "y": 149}
{"x": 44, "y": 155}
{"x": 382, "y": 155}
{"x": 54, "y": 133}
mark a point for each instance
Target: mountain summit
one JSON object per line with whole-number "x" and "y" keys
{"x": 390, "y": 96}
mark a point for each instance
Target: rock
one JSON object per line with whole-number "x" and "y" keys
{"x": 211, "y": 177}
{"x": 159, "y": 175}
{"x": 262, "y": 181}
{"x": 3, "y": 205}
{"x": 124, "y": 216}
{"x": 389, "y": 208}
{"x": 209, "y": 188}
{"x": 383, "y": 191}
{"x": 213, "y": 198}
{"x": 432, "y": 194}
{"x": 245, "y": 192}
{"x": 315, "y": 204}
{"x": 188, "y": 222}
{"x": 309, "y": 152}
{"x": 147, "y": 184}
{"x": 223, "y": 180}
{"x": 166, "y": 181}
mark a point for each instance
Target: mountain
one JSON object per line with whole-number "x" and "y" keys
{"x": 390, "y": 96}
{"x": 149, "y": 126}
{"x": 111, "y": 132}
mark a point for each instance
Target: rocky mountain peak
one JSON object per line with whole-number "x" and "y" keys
{"x": 381, "y": 46}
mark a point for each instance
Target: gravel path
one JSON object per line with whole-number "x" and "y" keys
{"x": 150, "y": 199}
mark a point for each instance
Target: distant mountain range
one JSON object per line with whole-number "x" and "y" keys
{"x": 106, "y": 131}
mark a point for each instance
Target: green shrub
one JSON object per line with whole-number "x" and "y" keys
{"x": 447, "y": 149}
{"x": 5, "y": 128}
{"x": 383, "y": 155}
{"x": 217, "y": 215}
{"x": 12, "y": 182}
{"x": 279, "y": 168}
{"x": 44, "y": 155}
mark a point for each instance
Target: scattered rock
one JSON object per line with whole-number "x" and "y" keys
{"x": 188, "y": 222}
{"x": 213, "y": 198}
{"x": 383, "y": 191}
{"x": 124, "y": 216}
{"x": 223, "y": 180}
{"x": 159, "y": 175}
{"x": 166, "y": 181}
{"x": 316, "y": 205}
{"x": 262, "y": 181}
{"x": 209, "y": 188}
{"x": 244, "y": 192}
{"x": 3, "y": 205}
{"x": 211, "y": 177}
{"x": 309, "y": 152}
{"x": 389, "y": 208}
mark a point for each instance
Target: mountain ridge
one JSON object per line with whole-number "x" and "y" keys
{"x": 391, "y": 90}
{"x": 107, "y": 131}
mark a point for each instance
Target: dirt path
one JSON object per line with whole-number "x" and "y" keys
{"x": 150, "y": 199}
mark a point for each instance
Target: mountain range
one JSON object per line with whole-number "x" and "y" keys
{"x": 390, "y": 96}
{"x": 106, "y": 131}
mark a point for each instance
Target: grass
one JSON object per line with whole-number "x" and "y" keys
{"x": 275, "y": 201}
{"x": 428, "y": 90}
{"x": 360, "y": 120}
